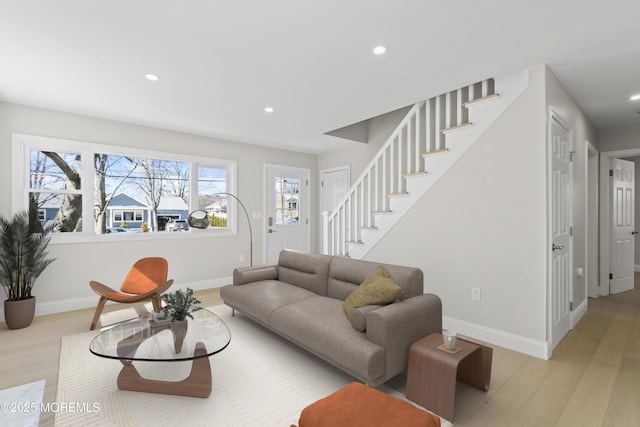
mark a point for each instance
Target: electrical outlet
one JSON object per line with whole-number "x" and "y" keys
{"x": 242, "y": 258}
{"x": 475, "y": 294}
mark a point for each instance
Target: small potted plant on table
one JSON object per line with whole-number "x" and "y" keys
{"x": 178, "y": 306}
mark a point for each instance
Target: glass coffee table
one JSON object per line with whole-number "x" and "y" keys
{"x": 150, "y": 340}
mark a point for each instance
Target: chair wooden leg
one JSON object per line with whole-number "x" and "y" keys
{"x": 96, "y": 316}
{"x": 157, "y": 302}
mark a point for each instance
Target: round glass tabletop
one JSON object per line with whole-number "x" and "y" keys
{"x": 148, "y": 339}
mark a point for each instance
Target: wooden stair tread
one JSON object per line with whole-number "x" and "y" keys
{"x": 369, "y": 228}
{"x": 480, "y": 100}
{"x": 382, "y": 212}
{"x": 402, "y": 193}
{"x": 412, "y": 174}
{"x": 355, "y": 242}
{"x": 430, "y": 153}
{"x": 456, "y": 127}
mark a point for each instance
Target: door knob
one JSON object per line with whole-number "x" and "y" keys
{"x": 556, "y": 248}
{"x": 272, "y": 231}
{"x": 634, "y": 232}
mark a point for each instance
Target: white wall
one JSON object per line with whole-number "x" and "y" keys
{"x": 620, "y": 138}
{"x": 484, "y": 225}
{"x": 196, "y": 262}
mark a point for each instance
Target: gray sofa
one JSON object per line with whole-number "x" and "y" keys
{"x": 301, "y": 298}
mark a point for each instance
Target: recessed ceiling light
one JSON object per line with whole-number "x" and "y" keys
{"x": 151, "y": 77}
{"x": 635, "y": 97}
{"x": 379, "y": 50}
{"x": 269, "y": 109}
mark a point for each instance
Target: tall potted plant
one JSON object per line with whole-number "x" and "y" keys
{"x": 23, "y": 257}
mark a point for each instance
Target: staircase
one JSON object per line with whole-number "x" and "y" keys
{"x": 430, "y": 139}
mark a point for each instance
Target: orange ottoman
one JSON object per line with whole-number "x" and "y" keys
{"x": 356, "y": 405}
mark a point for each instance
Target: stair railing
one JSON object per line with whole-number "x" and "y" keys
{"x": 421, "y": 133}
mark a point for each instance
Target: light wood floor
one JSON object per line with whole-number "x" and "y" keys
{"x": 593, "y": 378}
{"x": 32, "y": 353}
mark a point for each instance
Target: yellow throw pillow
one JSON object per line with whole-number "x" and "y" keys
{"x": 377, "y": 288}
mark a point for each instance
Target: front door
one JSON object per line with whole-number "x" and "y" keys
{"x": 287, "y": 216}
{"x": 561, "y": 229}
{"x": 622, "y": 228}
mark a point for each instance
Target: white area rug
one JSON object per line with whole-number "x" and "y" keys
{"x": 21, "y": 405}
{"x": 260, "y": 379}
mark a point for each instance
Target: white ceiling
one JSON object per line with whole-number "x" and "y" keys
{"x": 222, "y": 62}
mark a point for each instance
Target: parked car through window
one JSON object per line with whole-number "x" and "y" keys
{"x": 177, "y": 225}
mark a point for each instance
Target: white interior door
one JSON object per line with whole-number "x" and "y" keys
{"x": 561, "y": 230}
{"x": 334, "y": 186}
{"x": 287, "y": 210}
{"x": 622, "y": 227}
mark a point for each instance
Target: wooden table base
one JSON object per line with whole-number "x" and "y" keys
{"x": 197, "y": 384}
{"x": 432, "y": 373}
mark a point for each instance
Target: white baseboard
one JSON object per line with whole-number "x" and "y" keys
{"x": 578, "y": 313}
{"x": 52, "y": 307}
{"x": 539, "y": 349}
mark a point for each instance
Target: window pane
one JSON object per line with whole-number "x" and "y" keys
{"x": 211, "y": 183}
{"x": 287, "y": 191}
{"x": 62, "y": 211}
{"x": 156, "y": 189}
{"x": 54, "y": 171}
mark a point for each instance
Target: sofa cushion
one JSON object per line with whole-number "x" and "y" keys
{"x": 358, "y": 316}
{"x": 319, "y": 325}
{"x": 304, "y": 270}
{"x": 377, "y": 288}
{"x": 346, "y": 274}
{"x": 259, "y": 299}
{"x": 251, "y": 274}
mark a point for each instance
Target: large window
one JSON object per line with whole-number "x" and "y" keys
{"x": 70, "y": 184}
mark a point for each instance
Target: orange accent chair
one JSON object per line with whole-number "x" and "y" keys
{"x": 146, "y": 281}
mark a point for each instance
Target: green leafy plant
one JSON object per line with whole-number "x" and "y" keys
{"x": 23, "y": 254}
{"x": 179, "y": 304}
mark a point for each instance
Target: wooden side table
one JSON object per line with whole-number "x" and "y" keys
{"x": 432, "y": 373}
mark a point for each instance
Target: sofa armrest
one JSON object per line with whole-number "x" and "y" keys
{"x": 397, "y": 326}
{"x": 244, "y": 275}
